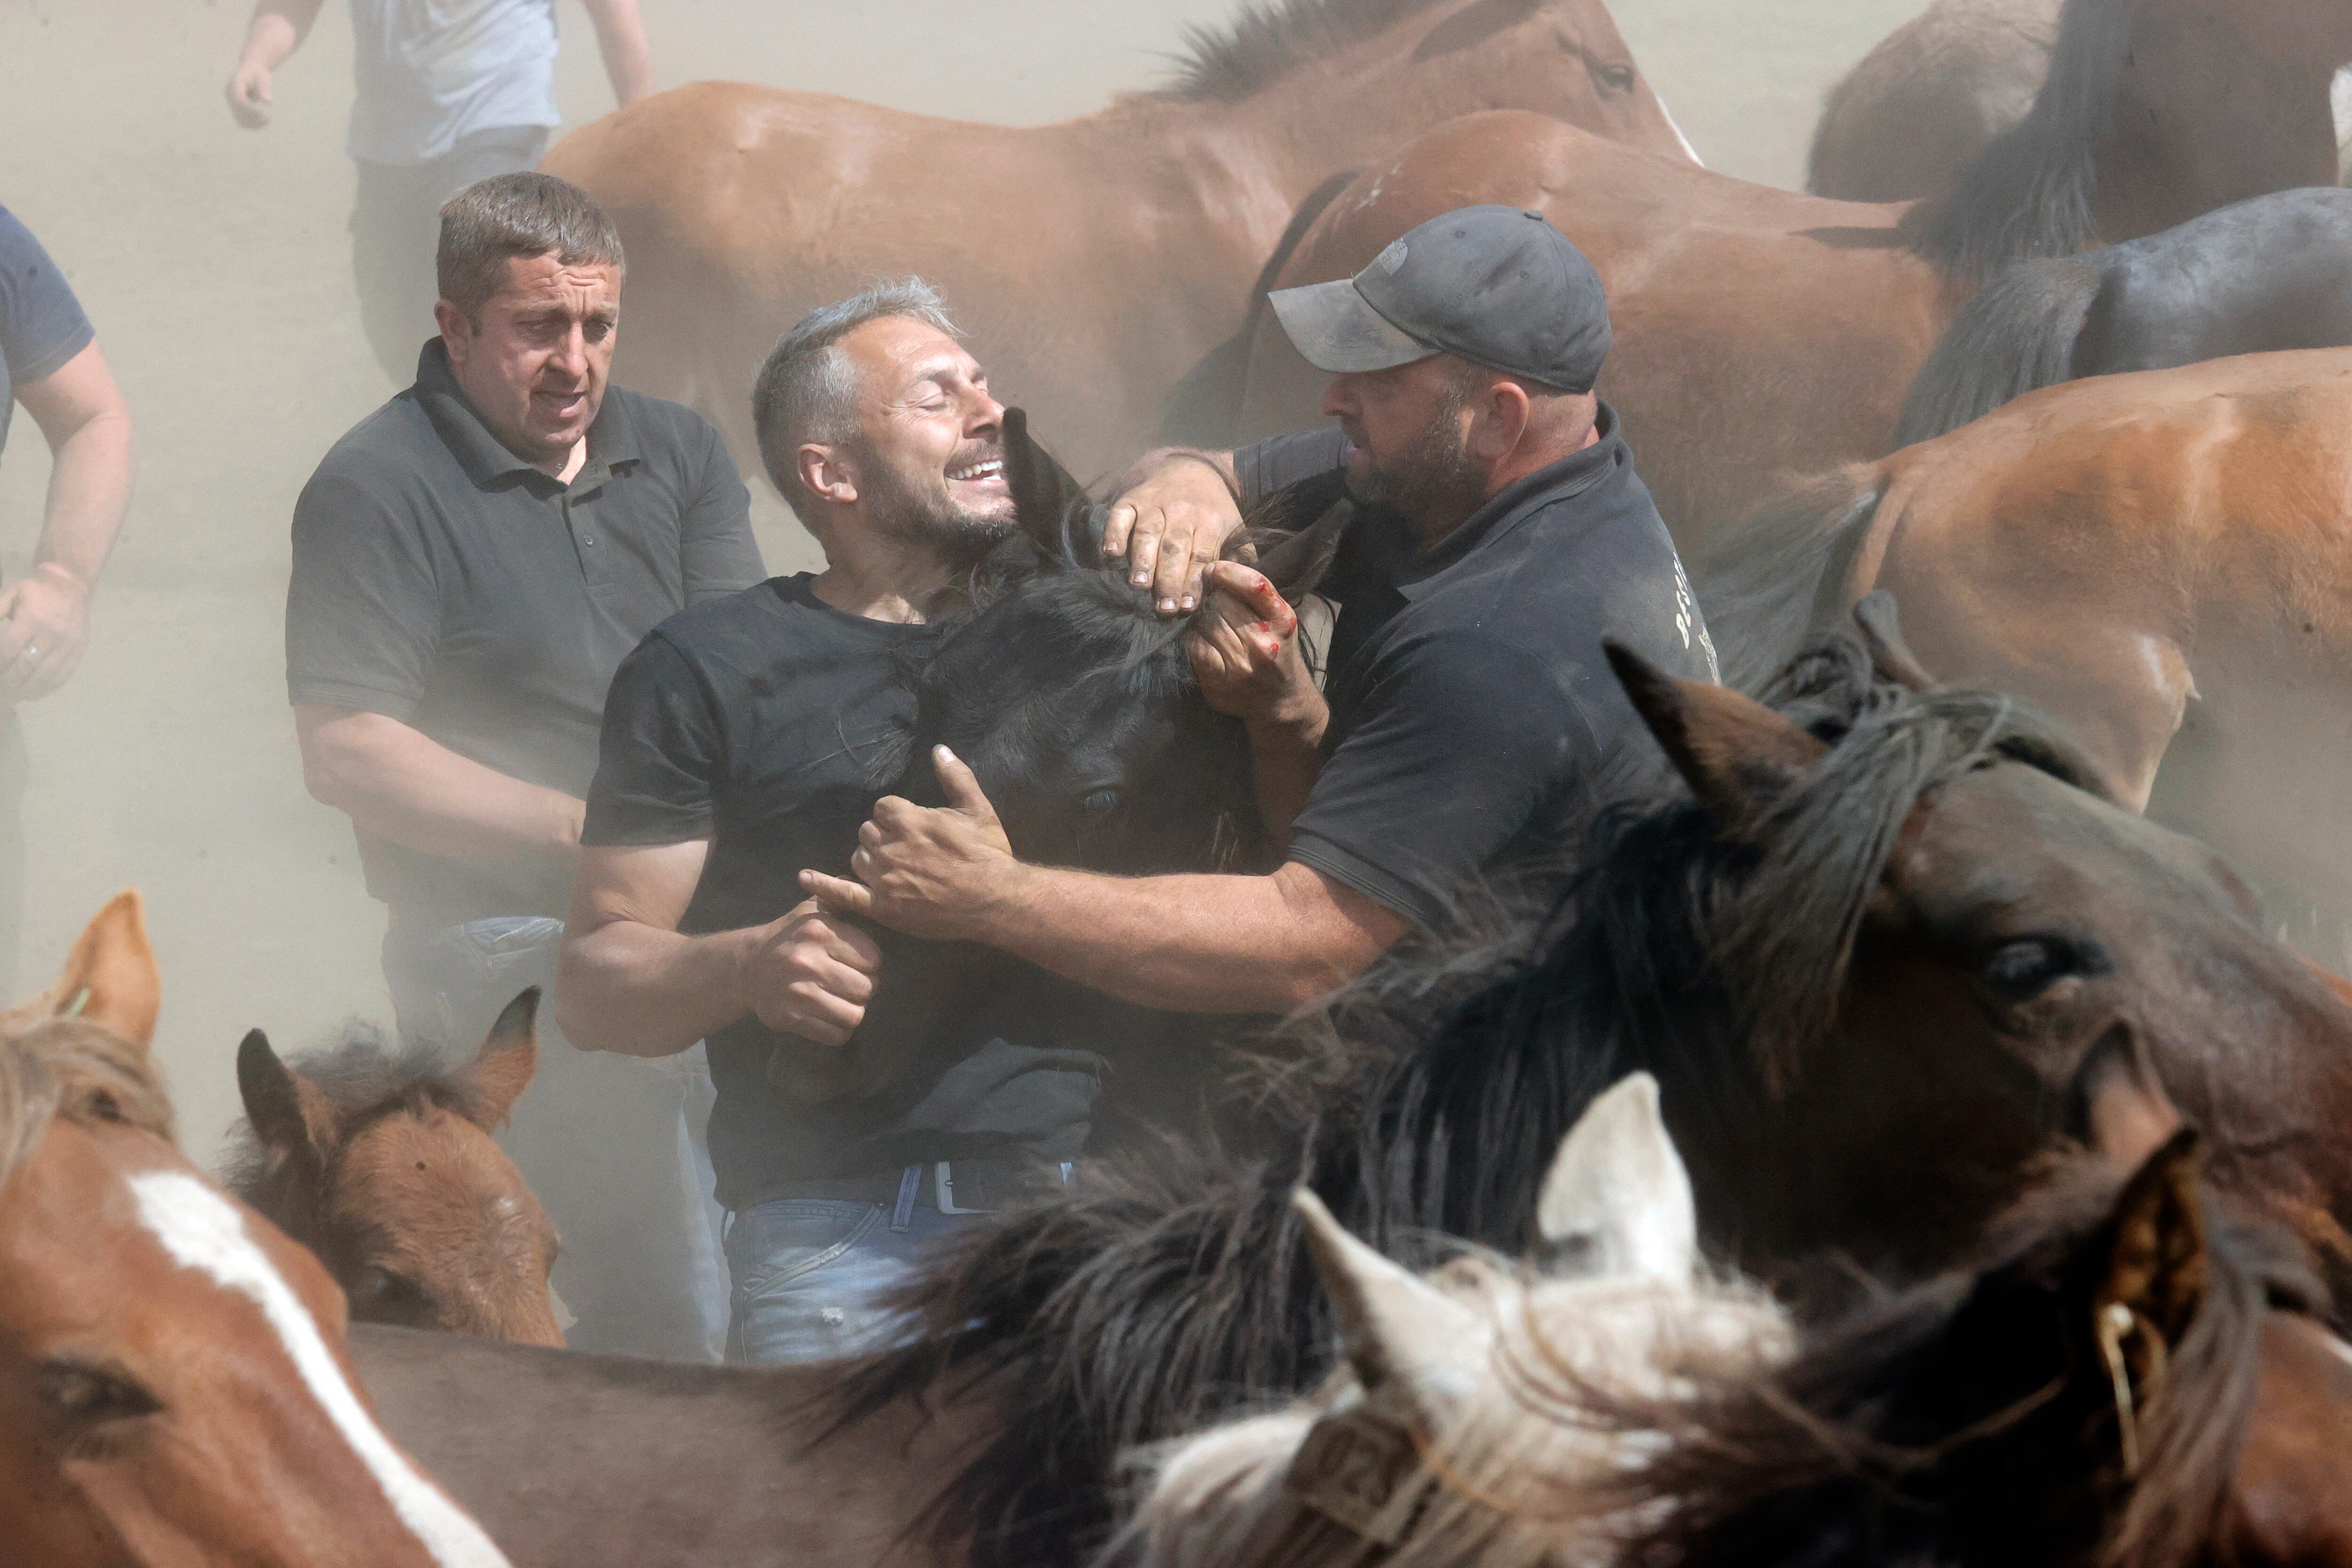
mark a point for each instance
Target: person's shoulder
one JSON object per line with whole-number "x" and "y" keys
{"x": 662, "y": 425}
{"x": 17, "y": 241}
{"x": 395, "y": 443}
{"x": 764, "y": 612}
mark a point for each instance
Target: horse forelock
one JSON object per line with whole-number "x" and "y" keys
{"x": 79, "y": 1070}
{"x": 368, "y": 1076}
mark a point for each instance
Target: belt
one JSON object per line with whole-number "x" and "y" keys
{"x": 951, "y": 1186}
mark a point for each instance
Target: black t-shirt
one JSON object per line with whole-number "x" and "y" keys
{"x": 1473, "y": 710}
{"x": 41, "y": 323}
{"x": 441, "y": 580}
{"x": 768, "y": 722}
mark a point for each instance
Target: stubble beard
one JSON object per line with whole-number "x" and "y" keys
{"x": 920, "y": 510}
{"x": 1433, "y": 483}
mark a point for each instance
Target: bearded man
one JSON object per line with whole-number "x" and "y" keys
{"x": 1470, "y": 717}
{"x": 738, "y": 750}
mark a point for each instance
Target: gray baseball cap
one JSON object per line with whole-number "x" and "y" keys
{"x": 1494, "y": 285}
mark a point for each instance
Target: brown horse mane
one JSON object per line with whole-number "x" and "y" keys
{"x": 77, "y": 1069}
{"x": 366, "y": 1075}
{"x": 1271, "y": 38}
{"x": 1763, "y": 1467}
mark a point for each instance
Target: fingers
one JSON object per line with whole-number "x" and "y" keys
{"x": 964, "y": 790}
{"x": 837, "y": 893}
{"x": 1253, "y": 589}
{"x": 849, "y": 945}
{"x": 816, "y": 1014}
{"x": 1143, "y": 545}
{"x": 1116, "y": 528}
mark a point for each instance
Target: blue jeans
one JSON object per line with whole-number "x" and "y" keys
{"x": 809, "y": 1274}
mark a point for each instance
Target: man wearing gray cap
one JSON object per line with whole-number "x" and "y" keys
{"x": 1501, "y": 533}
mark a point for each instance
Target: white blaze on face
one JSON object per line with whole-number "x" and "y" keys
{"x": 203, "y": 1231}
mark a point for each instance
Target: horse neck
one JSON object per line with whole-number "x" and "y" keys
{"x": 2200, "y": 126}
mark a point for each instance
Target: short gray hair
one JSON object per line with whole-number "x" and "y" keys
{"x": 506, "y": 217}
{"x": 806, "y": 391}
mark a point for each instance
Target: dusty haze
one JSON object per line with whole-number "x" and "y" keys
{"x": 216, "y": 266}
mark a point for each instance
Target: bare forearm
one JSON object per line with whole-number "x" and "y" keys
{"x": 278, "y": 28}
{"x": 90, "y": 492}
{"x": 620, "y": 39}
{"x": 1200, "y": 944}
{"x": 1285, "y": 759}
{"x": 642, "y": 991}
{"x": 396, "y": 784}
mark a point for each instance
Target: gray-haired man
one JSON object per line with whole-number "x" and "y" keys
{"x": 738, "y": 750}
{"x": 471, "y": 563}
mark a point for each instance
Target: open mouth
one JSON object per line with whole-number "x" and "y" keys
{"x": 975, "y": 472}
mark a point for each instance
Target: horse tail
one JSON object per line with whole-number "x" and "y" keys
{"x": 1783, "y": 575}
{"x": 1204, "y": 408}
{"x": 2029, "y": 193}
{"x": 2015, "y": 336}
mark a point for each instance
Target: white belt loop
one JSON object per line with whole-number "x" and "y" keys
{"x": 945, "y": 1190}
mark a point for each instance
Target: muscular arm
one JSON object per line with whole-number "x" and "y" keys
{"x": 631, "y": 983}
{"x": 81, "y": 413}
{"x": 397, "y": 783}
{"x": 620, "y": 39}
{"x": 278, "y": 28}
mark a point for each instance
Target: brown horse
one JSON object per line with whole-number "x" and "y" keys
{"x": 1936, "y": 92}
{"x": 1762, "y": 333}
{"x": 2155, "y": 560}
{"x": 1092, "y": 260}
{"x": 173, "y": 1387}
{"x": 384, "y": 1164}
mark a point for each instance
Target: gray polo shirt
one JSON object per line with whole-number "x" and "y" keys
{"x": 442, "y": 581}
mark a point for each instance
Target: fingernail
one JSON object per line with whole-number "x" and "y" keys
{"x": 1167, "y": 604}
{"x": 943, "y": 753}
{"x": 1187, "y": 601}
{"x": 1138, "y": 580}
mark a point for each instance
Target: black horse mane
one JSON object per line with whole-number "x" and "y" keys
{"x": 2029, "y": 193}
{"x": 1860, "y": 1452}
{"x": 1175, "y": 1288}
{"x": 1268, "y": 39}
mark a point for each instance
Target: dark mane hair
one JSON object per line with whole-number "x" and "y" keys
{"x": 77, "y": 1069}
{"x": 1268, "y": 39}
{"x": 1866, "y": 1449}
{"x": 367, "y": 1076}
{"x": 1179, "y": 1288}
{"x": 2029, "y": 193}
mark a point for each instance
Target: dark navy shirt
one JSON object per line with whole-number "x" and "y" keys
{"x": 442, "y": 580}
{"x": 1473, "y": 710}
{"x": 41, "y": 323}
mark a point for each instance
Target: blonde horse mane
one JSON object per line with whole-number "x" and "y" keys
{"x": 1501, "y": 1470}
{"x": 77, "y": 1069}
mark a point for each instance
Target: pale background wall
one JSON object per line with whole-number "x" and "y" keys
{"x": 214, "y": 263}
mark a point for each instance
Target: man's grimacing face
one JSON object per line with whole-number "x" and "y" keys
{"x": 535, "y": 365}
{"x": 929, "y": 455}
{"x": 1408, "y": 435}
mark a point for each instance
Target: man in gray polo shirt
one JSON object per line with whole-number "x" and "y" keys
{"x": 446, "y": 93}
{"x": 471, "y": 564}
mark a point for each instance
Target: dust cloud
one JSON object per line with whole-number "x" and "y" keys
{"x": 215, "y": 265}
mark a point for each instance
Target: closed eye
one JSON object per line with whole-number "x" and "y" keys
{"x": 1100, "y": 803}
{"x": 2019, "y": 970}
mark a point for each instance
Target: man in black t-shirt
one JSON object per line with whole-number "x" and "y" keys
{"x": 745, "y": 740}
{"x": 471, "y": 563}
{"x": 1469, "y": 712}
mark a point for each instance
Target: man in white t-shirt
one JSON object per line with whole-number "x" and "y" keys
{"x": 448, "y": 92}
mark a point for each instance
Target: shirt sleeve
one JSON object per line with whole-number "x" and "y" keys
{"x": 659, "y": 761}
{"x": 1460, "y": 742}
{"x": 1281, "y": 462}
{"x": 41, "y": 323}
{"x": 362, "y": 606}
{"x": 720, "y": 555}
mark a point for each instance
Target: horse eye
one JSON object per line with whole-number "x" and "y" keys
{"x": 1614, "y": 78}
{"x": 1101, "y": 802}
{"x": 94, "y": 1395}
{"x": 380, "y": 1294}
{"x": 2021, "y": 970}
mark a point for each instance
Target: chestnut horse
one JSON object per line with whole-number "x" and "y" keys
{"x": 1093, "y": 260}
{"x": 1762, "y": 333}
{"x": 2155, "y": 560}
{"x": 384, "y": 1164}
{"x": 173, "y": 1387}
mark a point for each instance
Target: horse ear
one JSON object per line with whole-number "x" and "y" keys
{"x": 1401, "y": 1335}
{"x": 502, "y": 1068}
{"x": 289, "y": 1114}
{"x": 110, "y": 977}
{"x": 1617, "y": 1191}
{"x": 1735, "y": 754}
{"x": 2116, "y": 1104}
{"x": 1881, "y": 633}
{"x": 2151, "y": 1277}
{"x": 1043, "y": 491}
